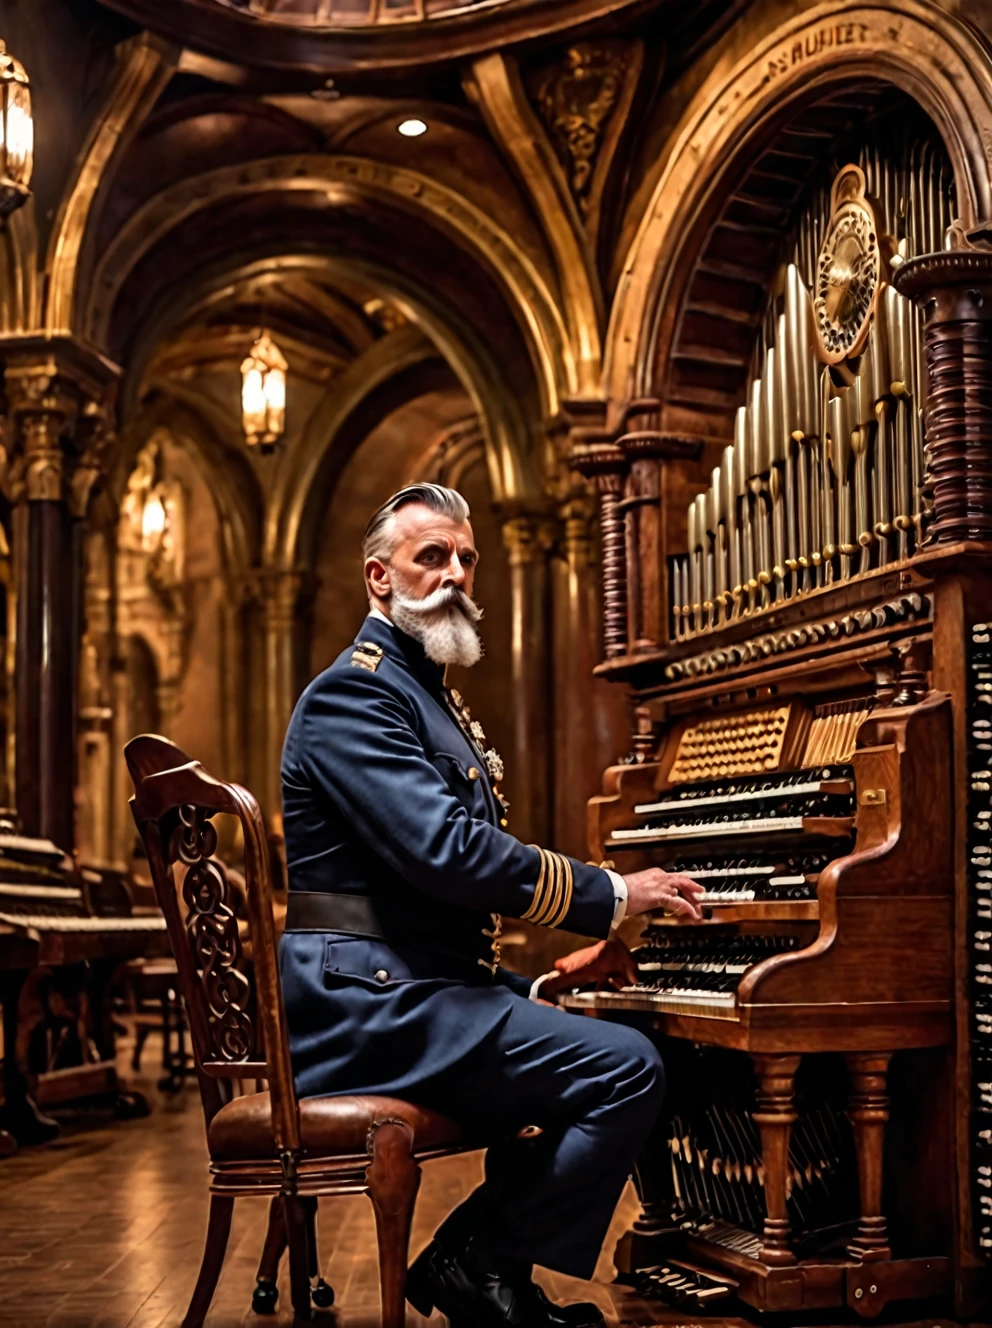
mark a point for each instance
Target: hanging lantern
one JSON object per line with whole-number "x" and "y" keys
{"x": 263, "y": 393}
{"x": 16, "y": 134}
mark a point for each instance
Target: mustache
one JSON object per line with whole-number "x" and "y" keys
{"x": 445, "y": 597}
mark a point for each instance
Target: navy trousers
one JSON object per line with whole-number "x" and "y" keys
{"x": 594, "y": 1088}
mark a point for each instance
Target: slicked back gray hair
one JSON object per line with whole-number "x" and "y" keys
{"x": 380, "y": 540}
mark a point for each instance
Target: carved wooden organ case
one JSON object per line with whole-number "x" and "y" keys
{"x": 800, "y": 614}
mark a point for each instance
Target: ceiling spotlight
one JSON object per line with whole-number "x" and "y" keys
{"x": 412, "y": 128}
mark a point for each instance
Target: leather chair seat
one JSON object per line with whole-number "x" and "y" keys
{"x": 242, "y": 1129}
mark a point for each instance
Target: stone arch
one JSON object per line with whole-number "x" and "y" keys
{"x": 915, "y": 45}
{"x": 341, "y": 179}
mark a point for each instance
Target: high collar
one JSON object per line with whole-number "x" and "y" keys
{"x": 403, "y": 649}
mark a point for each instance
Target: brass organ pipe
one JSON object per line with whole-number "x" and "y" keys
{"x": 760, "y": 515}
{"x": 933, "y": 204}
{"x": 675, "y": 593}
{"x": 828, "y": 485}
{"x": 881, "y": 377}
{"x": 695, "y": 572}
{"x": 742, "y": 451}
{"x": 717, "y": 531}
{"x": 917, "y": 228}
{"x": 805, "y": 425}
{"x": 861, "y": 443}
{"x": 772, "y": 449}
{"x": 840, "y": 451}
{"x": 706, "y": 561}
{"x": 900, "y": 368}
{"x": 728, "y": 503}
{"x": 788, "y": 408}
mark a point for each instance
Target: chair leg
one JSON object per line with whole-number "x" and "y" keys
{"x": 266, "y": 1294}
{"x": 392, "y": 1179}
{"x": 321, "y": 1293}
{"x": 214, "y": 1248}
{"x": 140, "y": 1038}
{"x": 299, "y": 1259}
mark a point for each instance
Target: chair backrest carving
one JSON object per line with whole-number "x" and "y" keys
{"x": 215, "y": 939}
{"x": 233, "y": 999}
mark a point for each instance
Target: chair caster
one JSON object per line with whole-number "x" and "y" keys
{"x": 265, "y": 1297}
{"x": 322, "y": 1295}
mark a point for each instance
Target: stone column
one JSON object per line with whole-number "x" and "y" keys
{"x": 574, "y": 656}
{"x": 278, "y": 591}
{"x": 954, "y": 290}
{"x": 95, "y": 753}
{"x": 55, "y": 394}
{"x": 529, "y": 540}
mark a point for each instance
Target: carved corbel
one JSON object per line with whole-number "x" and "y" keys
{"x": 583, "y": 99}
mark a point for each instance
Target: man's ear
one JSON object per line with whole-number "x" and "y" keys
{"x": 377, "y": 578}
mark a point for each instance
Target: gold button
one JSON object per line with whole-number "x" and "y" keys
{"x": 472, "y": 772}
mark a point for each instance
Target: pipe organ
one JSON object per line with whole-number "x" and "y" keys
{"x": 826, "y": 475}
{"x": 811, "y": 746}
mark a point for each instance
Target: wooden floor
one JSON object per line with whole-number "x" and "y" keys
{"x": 104, "y": 1228}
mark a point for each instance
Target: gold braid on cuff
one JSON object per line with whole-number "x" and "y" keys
{"x": 553, "y": 892}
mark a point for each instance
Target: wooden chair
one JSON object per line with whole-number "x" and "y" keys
{"x": 265, "y": 1142}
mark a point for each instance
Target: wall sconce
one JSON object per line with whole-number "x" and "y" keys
{"x": 263, "y": 393}
{"x": 16, "y": 134}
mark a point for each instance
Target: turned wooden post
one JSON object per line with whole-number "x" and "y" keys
{"x": 775, "y": 1117}
{"x": 605, "y": 465}
{"x": 868, "y": 1111}
{"x": 954, "y": 290}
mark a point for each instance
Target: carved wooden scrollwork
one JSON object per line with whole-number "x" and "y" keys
{"x": 212, "y": 928}
{"x": 576, "y": 99}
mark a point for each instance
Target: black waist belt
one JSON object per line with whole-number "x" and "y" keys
{"x": 318, "y": 910}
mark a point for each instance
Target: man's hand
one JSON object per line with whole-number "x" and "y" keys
{"x": 606, "y": 961}
{"x": 648, "y": 891}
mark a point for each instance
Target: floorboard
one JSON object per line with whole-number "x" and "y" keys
{"x": 104, "y": 1229}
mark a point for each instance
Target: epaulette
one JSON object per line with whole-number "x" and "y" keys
{"x": 367, "y": 656}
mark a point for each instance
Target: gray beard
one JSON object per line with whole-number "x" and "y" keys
{"x": 443, "y": 623}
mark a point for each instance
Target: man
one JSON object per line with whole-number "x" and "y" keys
{"x": 396, "y": 838}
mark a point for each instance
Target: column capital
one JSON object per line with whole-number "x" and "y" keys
{"x": 59, "y": 396}
{"x": 949, "y": 285}
{"x": 528, "y": 538}
{"x": 277, "y": 590}
{"x": 602, "y": 462}
{"x": 577, "y": 513}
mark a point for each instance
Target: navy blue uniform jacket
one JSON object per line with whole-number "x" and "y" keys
{"x": 378, "y": 800}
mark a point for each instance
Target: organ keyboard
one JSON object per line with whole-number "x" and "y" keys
{"x": 57, "y": 919}
{"x": 826, "y": 936}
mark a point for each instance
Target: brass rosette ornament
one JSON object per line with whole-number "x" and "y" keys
{"x": 847, "y": 271}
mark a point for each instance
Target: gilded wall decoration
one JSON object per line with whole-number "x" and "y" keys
{"x": 576, "y": 100}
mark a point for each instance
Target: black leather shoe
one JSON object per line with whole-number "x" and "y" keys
{"x": 477, "y": 1289}
{"x": 583, "y": 1314}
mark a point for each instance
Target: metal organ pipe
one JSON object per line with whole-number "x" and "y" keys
{"x": 826, "y": 476}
